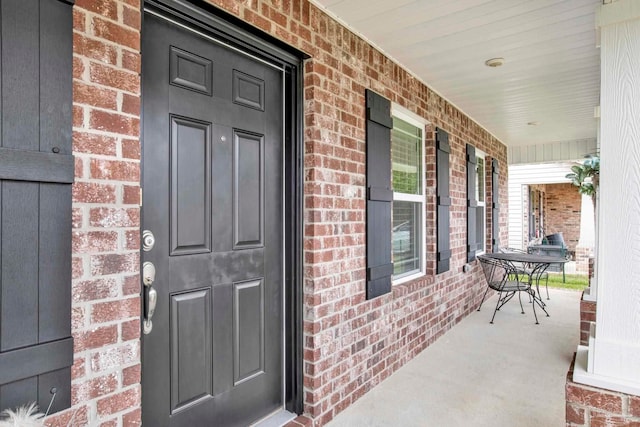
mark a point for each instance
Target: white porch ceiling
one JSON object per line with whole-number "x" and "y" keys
{"x": 551, "y": 73}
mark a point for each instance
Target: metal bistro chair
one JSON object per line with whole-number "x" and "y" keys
{"x": 506, "y": 280}
{"x": 535, "y": 275}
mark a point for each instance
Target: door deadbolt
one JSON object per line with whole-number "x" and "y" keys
{"x": 148, "y": 240}
{"x": 148, "y": 273}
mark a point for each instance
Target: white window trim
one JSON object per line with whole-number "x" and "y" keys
{"x": 481, "y": 154}
{"x": 412, "y": 118}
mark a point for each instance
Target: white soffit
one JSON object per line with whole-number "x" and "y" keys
{"x": 560, "y": 151}
{"x": 551, "y": 73}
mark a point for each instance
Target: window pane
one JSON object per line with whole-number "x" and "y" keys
{"x": 480, "y": 179}
{"x": 406, "y": 237}
{"x": 480, "y": 224}
{"x": 406, "y": 151}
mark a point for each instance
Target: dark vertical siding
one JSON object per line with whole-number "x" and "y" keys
{"x": 443, "y": 150}
{"x": 495, "y": 205}
{"x": 379, "y": 195}
{"x": 36, "y": 172}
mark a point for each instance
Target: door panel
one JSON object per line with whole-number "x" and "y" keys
{"x": 248, "y": 90}
{"x": 248, "y": 197}
{"x": 212, "y": 178}
{"x": 191, "y": 343}
{"x": 190, "y": 71}
{"x": 248, "y": 330}
{"x": 190, "y": 172}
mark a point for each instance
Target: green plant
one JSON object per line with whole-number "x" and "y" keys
{"x": 586, "y": 176}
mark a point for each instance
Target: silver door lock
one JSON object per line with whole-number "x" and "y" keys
{"x": 148, "y": 273}
{"x": 148, "y": 240}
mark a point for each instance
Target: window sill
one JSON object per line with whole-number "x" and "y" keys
{"x": 408, "y": 278}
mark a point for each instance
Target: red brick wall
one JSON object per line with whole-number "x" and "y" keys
{"x": 563, "y": 204}
{"x": 350, "y": 344}
{"x": 106, "y": 216}
{"x": 595, "y": 407}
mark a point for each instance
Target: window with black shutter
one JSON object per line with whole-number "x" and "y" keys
{"x": 379, "y": 194}
{"x": 407, "y": 159}
{"x": 36, "y": 172}
{"x": 443, "y": 201}
{"x": 476, "y": 203}
{"x": 472, "y": 203}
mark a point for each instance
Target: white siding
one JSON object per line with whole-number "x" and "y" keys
{"x": 616, "y": 350}
{"x": 521, "y": 176}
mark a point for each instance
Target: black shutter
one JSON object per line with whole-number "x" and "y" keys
{"x": 472, "y": 203}
{"x": 379, "y": 195}
{"x": 36, "y": 172}
{"x": 495, "y": 205}
{"x": 443, "y": 149}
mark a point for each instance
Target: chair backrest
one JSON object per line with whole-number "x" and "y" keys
{"x": 494, "y": 271}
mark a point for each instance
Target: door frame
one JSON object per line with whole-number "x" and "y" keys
{"x": 227, "y": 29}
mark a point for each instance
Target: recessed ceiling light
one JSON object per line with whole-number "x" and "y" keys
{"x": 494, "y": 62}
{"x": 533, "y": 123}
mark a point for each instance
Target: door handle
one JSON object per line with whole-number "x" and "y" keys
{"x": 152, "y": 298}
{"x": 150, "y": 295}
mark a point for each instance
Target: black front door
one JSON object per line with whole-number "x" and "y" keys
{"x": 212, "y": 197}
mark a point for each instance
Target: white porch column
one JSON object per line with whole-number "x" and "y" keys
{"x": 612, "y": 360}
{"x": 587, "y": 241}
{"x": 587, "y": 223}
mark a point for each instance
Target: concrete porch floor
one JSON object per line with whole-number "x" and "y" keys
{"x": 511, "y": 373}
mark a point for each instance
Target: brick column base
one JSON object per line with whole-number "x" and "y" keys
{"x": 587, "y": 315}
{"x": 596, "y": 407}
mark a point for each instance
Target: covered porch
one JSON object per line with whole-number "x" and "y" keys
{"x": 539, "y": 123}
{"x": 511, "y": 373}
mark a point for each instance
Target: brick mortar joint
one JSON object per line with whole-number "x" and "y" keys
{"x": 119, "y": 48}
{"x": 97, "y": 156}
{"x": 118, "y": 109}
{"x": 119, "y": 230}
{"x": 108, "y": 110}
{"x": 127, "y": 345}
{"x": 118, "y": 298}
{"x": 89, "y": 15}
{"x": 89, "y": 180}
